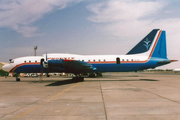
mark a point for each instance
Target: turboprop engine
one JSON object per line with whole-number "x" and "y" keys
{"x": 52, "y": 63}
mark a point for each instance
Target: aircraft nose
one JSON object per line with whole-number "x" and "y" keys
{"x": 6, "y": 68}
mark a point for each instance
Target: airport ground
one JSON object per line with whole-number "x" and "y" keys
{"x": 119, "y": 96}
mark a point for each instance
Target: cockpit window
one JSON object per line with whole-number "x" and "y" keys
{"x": 12, "y": 61}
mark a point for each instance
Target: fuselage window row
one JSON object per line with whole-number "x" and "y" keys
{"x": 30, "y": 61}
{"x": 91, "y": 60}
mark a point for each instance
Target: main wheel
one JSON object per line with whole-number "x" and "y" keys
{"x": 17, "y": 79}
{"x": 81, "y": 79}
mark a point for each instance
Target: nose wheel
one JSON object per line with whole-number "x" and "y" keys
{"x": 17, "y": 79}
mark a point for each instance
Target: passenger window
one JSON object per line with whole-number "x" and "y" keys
{"x": 104, "y": 60}
{"x": 29, "y": 61}
{"x": 24, "y": 61}
{"x": 99, "y": 60}
{"x": 94, "y": 60}
{"x": 35, "y": 60}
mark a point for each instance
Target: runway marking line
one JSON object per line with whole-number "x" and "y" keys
{"x": 19, "y": 116}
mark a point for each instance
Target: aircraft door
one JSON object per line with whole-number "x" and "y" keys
{"x": 117, "y": 60}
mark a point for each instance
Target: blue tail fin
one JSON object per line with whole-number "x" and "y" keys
{"x": 160, "y": 49}
{"x": 154, "y": 44}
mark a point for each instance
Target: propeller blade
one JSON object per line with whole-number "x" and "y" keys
{"x": 41, "y": 74}
{"x": 46, "y": 56}
{"x": 41, "y": 69}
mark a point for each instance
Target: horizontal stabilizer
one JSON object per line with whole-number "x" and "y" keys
{"x": 166, "y": 62}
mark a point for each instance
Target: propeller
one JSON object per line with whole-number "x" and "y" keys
{"x": 43, "y": 65}
{"x": 41, "y": 69}
{"x": 46, "y": 56}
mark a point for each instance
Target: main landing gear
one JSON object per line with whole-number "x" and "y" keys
{"x": 97, "y": 74}
{"x": 78, "y": 78}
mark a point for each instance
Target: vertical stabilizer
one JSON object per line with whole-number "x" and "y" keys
{"x": 153, "y": 45}
{"x": 160, "y": 49}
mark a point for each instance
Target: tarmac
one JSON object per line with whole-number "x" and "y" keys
{"x": 120, "y": 96}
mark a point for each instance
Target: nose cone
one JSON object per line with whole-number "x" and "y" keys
{"x": 6, "y": 68}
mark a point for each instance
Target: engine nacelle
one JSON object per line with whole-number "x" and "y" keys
{"x": 54, "y": 63}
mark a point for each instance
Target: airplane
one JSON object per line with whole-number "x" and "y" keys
{"x": 150, "y": 52}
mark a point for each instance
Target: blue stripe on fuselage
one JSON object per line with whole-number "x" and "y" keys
{"x": 29, "y": 68}
{"x": 36, "y": 68}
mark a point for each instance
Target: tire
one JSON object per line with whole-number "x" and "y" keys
{"x": 17, "y": 79}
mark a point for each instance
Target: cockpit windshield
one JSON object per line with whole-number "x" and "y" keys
{"x": 11, "y": 61}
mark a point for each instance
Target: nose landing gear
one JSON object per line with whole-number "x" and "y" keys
{"x": 17, "y": 79}
{"x": 16, "y": 75}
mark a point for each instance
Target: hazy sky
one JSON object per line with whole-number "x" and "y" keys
{"x": 85, "y": 26}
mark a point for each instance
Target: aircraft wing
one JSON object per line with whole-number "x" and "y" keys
{"x": 71, "y": 66}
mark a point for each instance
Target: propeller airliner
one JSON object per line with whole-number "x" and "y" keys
{"x": 150, "y": 52}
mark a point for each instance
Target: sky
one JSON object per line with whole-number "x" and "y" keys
{"x": 86, "y": 27}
